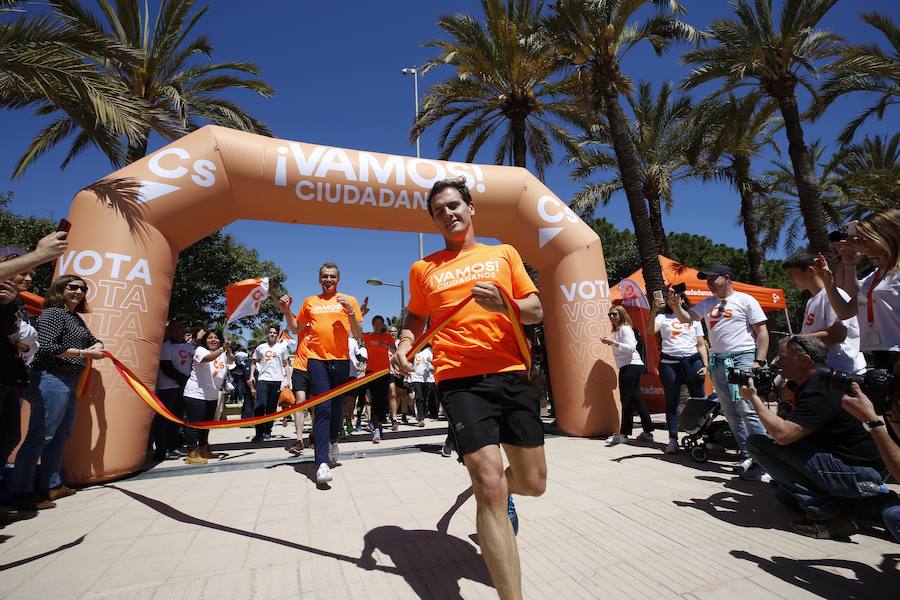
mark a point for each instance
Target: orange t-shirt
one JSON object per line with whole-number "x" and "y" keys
{"x": 378, "y": 354}
{"x": 475, "y": 341}
{"x": 329, "y": 326}
{"x": 302, "y": 351}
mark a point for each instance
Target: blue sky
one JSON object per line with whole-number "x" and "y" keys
{"x": 335, "y": 67}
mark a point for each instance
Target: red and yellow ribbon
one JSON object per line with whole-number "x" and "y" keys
{"x": 156, "y": 404}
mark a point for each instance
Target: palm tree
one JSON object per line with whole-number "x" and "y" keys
{"x": 659, "y": 135}
{"x": 592, "y": 36}
{"x": 867, "y": 69}
{"x": 49, "y": 65}
{"x": 163, "y": 77}
{"x": 727, "y": 137}
{"x": 779, "y": 211}
{"x": 868, "y": 174}
{"x": 502, "y": 86}
{"x": 752, "y": 51}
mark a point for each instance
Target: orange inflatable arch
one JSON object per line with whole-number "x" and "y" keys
{"x": 129, "y": 228}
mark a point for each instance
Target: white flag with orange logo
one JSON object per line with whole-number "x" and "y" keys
{"x": 242, "y": 299}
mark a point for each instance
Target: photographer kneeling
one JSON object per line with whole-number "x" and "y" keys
{"x": 819, "y": 457}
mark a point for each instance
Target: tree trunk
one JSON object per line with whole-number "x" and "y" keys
{"x": 659, "y": 232}
{"x": 520, "y": 152}
{"x": 755, "y": 254}
{"x": 807, "y": 189}
{"x": 630, "y": 171}
{"x": 138, "y": 149}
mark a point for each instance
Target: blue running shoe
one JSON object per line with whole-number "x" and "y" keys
{"x": 511, "y": 513}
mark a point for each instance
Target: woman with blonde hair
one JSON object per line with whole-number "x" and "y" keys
{"x": 631, "y": 367}
{"x": 874, "y": 300}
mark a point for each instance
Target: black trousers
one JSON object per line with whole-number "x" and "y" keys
{"x": 266, "y": 403}
{"x": 424, "y": 393}
{"x": 165, "y": 432}
{"x": 10, "y": 426}
{"x": 198, "y": 410}
{"x": 631, "y": 398}
{"x": 379, "y": 391}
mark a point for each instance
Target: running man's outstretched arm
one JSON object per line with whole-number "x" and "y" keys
{"x": 412, "y": 329}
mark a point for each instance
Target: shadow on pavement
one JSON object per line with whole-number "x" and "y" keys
{"x": 682, "y": 459}
{"x": 818, "y": 577}
{"x": 25, "y": 561}
{"x": 406, "y": 548}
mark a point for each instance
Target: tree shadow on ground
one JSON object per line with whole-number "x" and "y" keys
{"x": 817, "y": 576}
{"x": 428, "y": 560}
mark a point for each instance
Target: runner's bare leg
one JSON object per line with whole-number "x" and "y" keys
{"x": 495, "y": 533}
{"x": 526, "y": 474}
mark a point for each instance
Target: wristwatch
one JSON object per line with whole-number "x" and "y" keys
{"x": 870, "y": 425}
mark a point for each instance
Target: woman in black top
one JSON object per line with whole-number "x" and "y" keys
{"x": 65, "y": 343}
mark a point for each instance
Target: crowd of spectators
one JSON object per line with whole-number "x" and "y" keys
{"x": 826, "y": 437}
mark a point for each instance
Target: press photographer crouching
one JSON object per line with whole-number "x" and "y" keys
{"x": 820, "y": 457}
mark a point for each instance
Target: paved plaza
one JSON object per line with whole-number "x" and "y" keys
{"x": 398, "y": 522}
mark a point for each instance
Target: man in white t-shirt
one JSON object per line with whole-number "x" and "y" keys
{"x": 819, "y": 319}
{"x": 175, "y": 362}
{"x": 268, "y": 365}
{"x": 739, "y": 338}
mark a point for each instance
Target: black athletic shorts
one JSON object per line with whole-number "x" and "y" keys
{"x": 299, "y": 381}
{"x": 491, "y": 409}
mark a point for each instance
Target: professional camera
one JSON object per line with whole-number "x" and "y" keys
{"x": 764, "y": 378}
{"x": 875, "y": 383}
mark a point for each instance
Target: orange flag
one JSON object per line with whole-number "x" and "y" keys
{"x": 242, "y": 299}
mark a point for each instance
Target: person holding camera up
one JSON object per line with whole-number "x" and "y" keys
{"x": 820, "y": 458}
{"x": 840, "y": 336}
{"x": 682, "y": 360}
{"x": 858, "y": 404}
{"x": 875, "y": 300}
{"x": 738, "y": 338}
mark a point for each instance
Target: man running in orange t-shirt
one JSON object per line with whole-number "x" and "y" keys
{"x": 480, "y": 374}
{"x": 331, "y": 318}
{"x": 379, "y": 344}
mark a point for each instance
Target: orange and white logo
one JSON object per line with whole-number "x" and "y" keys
{"x": 717, "y": 314}
{"x": 242, "y": 299}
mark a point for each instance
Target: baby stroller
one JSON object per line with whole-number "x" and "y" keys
{"x": 697, "y": 420}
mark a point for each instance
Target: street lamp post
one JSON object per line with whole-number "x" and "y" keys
{"x": 415, "y": 73}
{"x": 377, "y": 282}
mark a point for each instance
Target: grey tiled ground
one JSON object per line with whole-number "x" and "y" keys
{"x": 623, "y": 522}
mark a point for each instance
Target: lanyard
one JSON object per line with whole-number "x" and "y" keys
{"x": 870, "y": 308}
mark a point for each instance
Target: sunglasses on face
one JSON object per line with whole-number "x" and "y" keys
{"x": 75, "y": 288}
{"x": 611, "y": 315}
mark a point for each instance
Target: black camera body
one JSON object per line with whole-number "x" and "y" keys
{"x": 763, "y": 378}
{"x": 875, "y": 383}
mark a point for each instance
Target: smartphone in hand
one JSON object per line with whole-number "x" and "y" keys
{"x": 851, "y": 228}
{"x": 657, "y": 295}
{"x": 64, "y": 225}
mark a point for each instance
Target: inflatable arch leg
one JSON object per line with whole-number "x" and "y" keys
{"x": 128, "y": 229}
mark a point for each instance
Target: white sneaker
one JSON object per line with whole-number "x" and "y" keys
{"x": 616, "y": 439}
{"x": 765, "y": 478}
{"x": 743, "y": 465}
{"x": 323, "y": 475}
{"x": 333, "y": 454}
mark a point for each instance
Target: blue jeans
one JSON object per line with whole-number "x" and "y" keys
{"x": 818, "y": 481}
{"x": 740, "y": 414}
{"x": 52, "y": 399}
{"x": 266, "y": 403}
{"x": 673, "y": 376}
{"x": 325, "y": 375}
